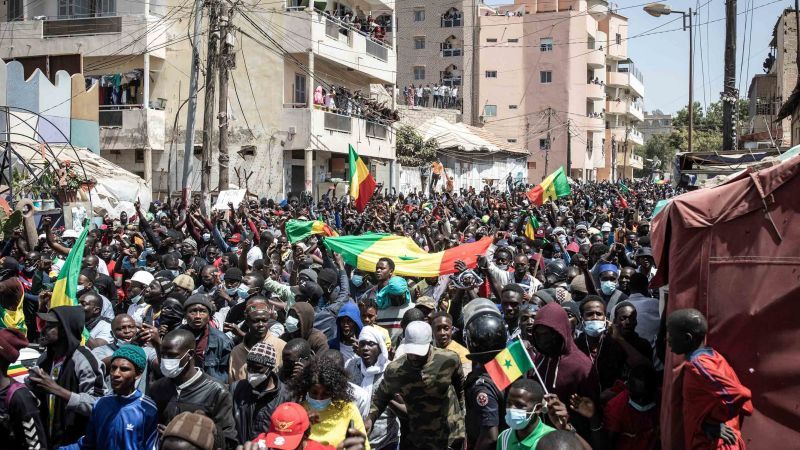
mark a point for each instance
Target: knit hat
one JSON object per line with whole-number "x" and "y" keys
{"x": 578, "y": 284}
{"x": 193, "y": 428}
{"x": 310, "y": 274}
{"x": 263, "y": 353}
{"x": 132, "y": 353}
{"x": 11, "y": 342}
{"x": 191, "y": 242}
{"x": 329, "y": 276}
{"x": 234, "y": 273}
{"x": 198, "y": 299}
{"x": 184, "y": 281}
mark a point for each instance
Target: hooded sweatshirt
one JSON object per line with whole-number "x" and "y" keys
{"x": 316, "y": 339}
{"x": 571, "y": 372}
{"x": 78, "y": 371}
{"x": 351, "y": 311}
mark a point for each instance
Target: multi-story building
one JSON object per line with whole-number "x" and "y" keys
{"x": 769, "y": 90}
{"x": 656, "y": 122}
{"x": 281, "y": 138}
{"x": 554, "y": 77}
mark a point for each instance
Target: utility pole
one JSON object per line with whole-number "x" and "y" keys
{"x": 625, "y": 158}
{"x": 226, "y": 62}
{"x": 188, "y": 146}
{"x": 569, "y": 148}
{"x": 729, "y": 94}
{"x": 549, "y": 144}
{"x": 212, "y": 65}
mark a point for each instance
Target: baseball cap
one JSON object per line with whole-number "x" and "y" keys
{"x": 289, "y": 425}
{"x": 417, "y": 338}
{"x": 426, "y": 301}
{"x": 69, "y": 234}
{"x": 605, "y": 227}
{"x": 235, "y": 238}
{"x": 143, "y": 277}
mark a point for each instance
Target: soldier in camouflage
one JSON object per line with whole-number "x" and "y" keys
{"x": 430, "y": 385}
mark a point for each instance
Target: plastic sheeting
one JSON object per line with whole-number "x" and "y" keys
{"x": 722, "y": 254}
{"x": 465, "y": 138}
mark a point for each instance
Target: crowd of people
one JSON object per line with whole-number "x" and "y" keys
{"x": 439, "y": 95}
{"x": 214, "y": 331}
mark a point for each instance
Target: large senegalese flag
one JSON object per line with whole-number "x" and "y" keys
{"x": 297, "y": 230}
{"x": 362, "y": 185}
{"x": 509, "y": 364}
{"x": 364, "y": 251}
{"x": 531, "y": 226}
{"x": 65, "y": 290}
{"x": 553, "y": 187}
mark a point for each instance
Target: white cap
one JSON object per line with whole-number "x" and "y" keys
{"x": 417, "y": 338}
{"x": 69, "y": 234}
{"x": 605, "y": 227}
{"x": 143, "y": 276}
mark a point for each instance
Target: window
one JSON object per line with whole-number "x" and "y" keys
{"x": 419, "y": 72}
{"x": 489, "y": 110}
{"x": 513, "y": 40}
{"x": 419, "y": 15}
{"x": 544, "y": 144}
{"x": 419, "y": 42}
{"x": 512, "y": 106}
{"x": 491, "y": 39}
{"x": 546, "y": 76}
{"x": 619, "y": 39}
{"x": 300, "y": 96}
{"x": 491, "y": 74}
{"x": 546, "y": 44}
{"x": 139, "y": 155}
{"x": 512, "y": 141}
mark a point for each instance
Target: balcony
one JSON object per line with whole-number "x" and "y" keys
{"x": 337, "y": 42}
{"x": 626, "y": 80}
{"x": 95, "y": 36}
{"x": 131, "y": 127}
{"x": 334, "y": 132}
{"x": 626, "y": 107}
{"x": 596, "y": 59}
{"x": 595, "y": 91}
{"x": 598, "y": 9}
{"x": 635, "y": 136}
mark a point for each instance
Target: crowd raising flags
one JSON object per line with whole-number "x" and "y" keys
{"x": 554, "y": 186}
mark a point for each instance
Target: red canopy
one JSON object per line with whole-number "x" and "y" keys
{"x": 723, "y": 255}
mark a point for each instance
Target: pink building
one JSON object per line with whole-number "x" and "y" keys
{"x": 555, "y": 77}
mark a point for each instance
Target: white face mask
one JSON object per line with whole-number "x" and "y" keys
{"x": 171, "y": 368}
{"x": 256, "y": 379}
{"x": 291, "y": 324}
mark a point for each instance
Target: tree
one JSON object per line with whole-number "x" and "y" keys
{"x": 707, "y": 132}
{"x": 412, "y": 149}
{"x": 661, "y": 147}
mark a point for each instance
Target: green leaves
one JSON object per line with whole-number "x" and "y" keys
{"x": 412, "y": 149}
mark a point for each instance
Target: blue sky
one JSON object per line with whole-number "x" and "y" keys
{"x": 663, "y": 56}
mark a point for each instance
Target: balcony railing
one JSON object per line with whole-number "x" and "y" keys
{"x": 81, "y": 27}
{"x": 338, "y": 122}
{"x": 632, "y": 70}
{"x": 451, "y": 52}
{"x": 376, "y": 130}
{"x": 450, "y": 22}
{"x": 377, "y": 50}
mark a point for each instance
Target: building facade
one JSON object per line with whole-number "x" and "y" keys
{"x": 139, "y": 56}
{"x": 656, "y": 122}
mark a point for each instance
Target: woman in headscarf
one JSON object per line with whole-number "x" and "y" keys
{"x": 367, "y": 371}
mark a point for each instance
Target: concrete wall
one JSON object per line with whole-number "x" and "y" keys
{"x": 417, "y": 116}
{"x": 786, "y": 65}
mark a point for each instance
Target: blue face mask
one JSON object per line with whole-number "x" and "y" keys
{"x": 231, "y": 291}
{"x": 357, "y": 280}
{"x": 243, "y": 291}
{"x": 608, "y": 287}
{"x": 641, "y": 408}
{"x": 317, "y": 405}
{"x": 518, "y": 419}
{"x": 594, "y": 328}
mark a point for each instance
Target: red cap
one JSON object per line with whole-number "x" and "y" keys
{"x": 289, "y": 425}
{"x": 235, "y": 238}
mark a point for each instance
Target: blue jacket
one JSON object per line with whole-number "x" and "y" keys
{"x": 217, "y": 355}
{"x": 349, "y": 310}
{"x": 121, "y": 423}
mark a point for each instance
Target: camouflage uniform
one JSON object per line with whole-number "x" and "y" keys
{"x": 434, "y": 398}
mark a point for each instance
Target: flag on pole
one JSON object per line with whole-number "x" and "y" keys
{"x": 554, "y": 186}
{"x": 297, "y": 230}
{"x": 531, "y": 226}
{"x": 625, "y": 189}
{"x": 362, "y": 185}
{"x": 509, "y": 364}
{"x": 65, "y": 290}
{"x": 622, "y": 201}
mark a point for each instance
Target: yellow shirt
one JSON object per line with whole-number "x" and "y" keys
{"x": 462, "y": 353}
{"x": 437, "y": 167}
{"x": 333, "y": 421}
{"x": 387, "y": 339}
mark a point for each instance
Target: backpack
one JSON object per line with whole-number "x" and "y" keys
{"x": 5, "y": 409}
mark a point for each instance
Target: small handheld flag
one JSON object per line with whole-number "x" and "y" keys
{"x": 509, "y": 365}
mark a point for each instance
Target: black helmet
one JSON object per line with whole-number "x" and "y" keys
{"x": 555, "y": 271}
{"x": 485, "y": 336}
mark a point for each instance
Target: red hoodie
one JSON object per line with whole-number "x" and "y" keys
{"x": 571, "y": 372}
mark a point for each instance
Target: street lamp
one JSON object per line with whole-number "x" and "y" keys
{"x": 660, "y": 9}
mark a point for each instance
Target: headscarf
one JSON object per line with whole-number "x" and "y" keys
{"x": 369, "y": 333}
{"x": 395, "y": 286}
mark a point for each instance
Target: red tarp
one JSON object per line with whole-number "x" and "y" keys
{"x": 719, "y": 253}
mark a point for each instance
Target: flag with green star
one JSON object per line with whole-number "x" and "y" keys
{"x": 509, "y": 364}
